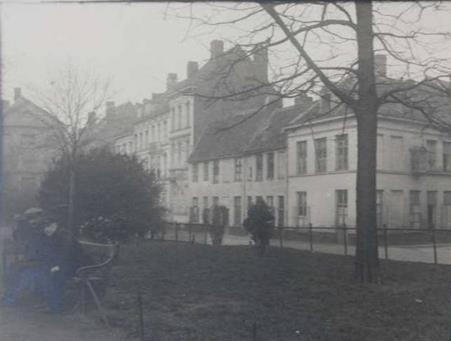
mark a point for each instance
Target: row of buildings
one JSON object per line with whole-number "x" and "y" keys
{"x": 207, "y": 147}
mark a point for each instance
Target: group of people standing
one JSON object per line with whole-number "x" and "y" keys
{"x": 49, "y": 257}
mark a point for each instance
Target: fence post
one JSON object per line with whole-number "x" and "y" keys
{"x": 434, "y": 245}
{"x": 345, "y": 239}
{"x": 311, "y": 236}
{"x": 205, "y": 234}
{"x": 141, "y": 317}
{"x": 189, "y": 232}
{"x": 385, "y": 241}
{"x": 176, "y": 232}
{"x": 281, "y": 236}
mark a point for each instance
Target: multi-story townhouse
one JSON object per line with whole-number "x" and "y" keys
{"x": 29, "y": 149}
{"x": 191, "y": 106}
{"x": 413, "y": 169}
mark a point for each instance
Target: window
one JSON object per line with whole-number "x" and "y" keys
{"x": 206, "y": 172}
{"x": 321, "y": 155}
{"x": 270, "y": 166}
{"x": 415, "y": 208}
{"x": 281, "y": 165}
{"x": 281, "y": 211}
{"x": 195, "y": 210}
{"x": 187, "y": 115}
{"x": 215, "y": 201}
{"x": 216, "y": 171}
{"x": 380, "y": 151}
{"x": 195, "y": 172}
{"x": 249, "y": 202}
{"x": 341, "y": 199}
{"x": 259, "y": 167}
{"x": 179, "y": 118}
{"x": 341, "y": 144}
{"x": 447, "y": 156}
{"x": 270, "y": 203}
{"x": 205, "y": 211}
{"x": 431, "y": 146}
{"x": 238, "y": 169}
{"x": 172, "y": 119}
{"x": 250, "y": 173}
{"x": 237, "y": 211}
{"x": 396, "y": 149}
{"x": 302, "y": 204}
{"x": 379, "y": 207}
{"x": 301, "y": 151}
{"x": 431, "y": 209}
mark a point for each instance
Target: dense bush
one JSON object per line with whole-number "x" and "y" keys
{"x": 115, "y": 197}
{"x": 259, "y": 224}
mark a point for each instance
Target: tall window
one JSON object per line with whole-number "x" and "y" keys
{"x": 341, "y": 202}
{"x": 259, "y": 167}
{"x": 187, "y": 115}
{"x": 206, "y": 171}
{"x": 301, "y": 151}
{"x": 270, "y": 166}
{"x": 447, "y": 208}
{"x": 195, "y": 210}
{"x": 249, "y": 201}
{"x": 341, "y": 144}
{"x": 238, "y": 169}
{"x": 380, "y": 207}
{"x": 237, "y": 211}
{"x": 302, "y": 204}
{"x": 321, "y": 155}
{"x": 397, "y": 153}
{"x": 179, "y": 120}
{"x": 216, "y": 171}
{"x": 415, "y": 208}
{"x": 281, "y": 164}
{"x": 195, "y": 172}
{"x": 431, "y": 146}
{"x": 215, "y": 201}
{"x": 447, "y": 156}
{"x": 380, "y": 151}
{"x": 281, "y": 210}
{"x": 270, "y": 203}
{"x": 205, "y": 211}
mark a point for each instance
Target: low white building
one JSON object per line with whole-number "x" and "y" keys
{"x": 413, "y": 171}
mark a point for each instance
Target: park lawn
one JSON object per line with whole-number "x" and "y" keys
{"x": 198, "y": 292}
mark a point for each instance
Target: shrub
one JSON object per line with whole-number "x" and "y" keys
{"x": 259, "y": 224}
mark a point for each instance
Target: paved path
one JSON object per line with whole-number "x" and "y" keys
{"x": 17, "y": 324}
{"x": 409, "y": 253}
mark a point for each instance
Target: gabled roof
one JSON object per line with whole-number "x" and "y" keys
{"x": 249, "y": 132}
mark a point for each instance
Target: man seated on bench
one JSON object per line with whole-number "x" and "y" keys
{"x": 49, "y": 261}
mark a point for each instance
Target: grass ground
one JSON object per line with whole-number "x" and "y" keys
{"x": 197, "y": 292}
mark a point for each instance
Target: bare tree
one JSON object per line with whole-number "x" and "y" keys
{"x": 323, "y": 46}
{"x": 70, "y": 101}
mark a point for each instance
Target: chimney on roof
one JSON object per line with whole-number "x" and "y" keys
{"x": 261, "y": 63}
{"x": 17, "y": 93}
{"x": 191, "y": 69}
{"x": 380, "y": 65}
{"x": 171, "y": 80}
{"x": 216, "y": 48}
{"x": 109, "y": 107}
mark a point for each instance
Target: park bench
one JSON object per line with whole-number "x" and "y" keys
{"x": 92, "y": 280}
{"x": 89, "y": 282}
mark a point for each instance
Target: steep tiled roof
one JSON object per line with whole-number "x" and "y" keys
{"x": 246, "y": 133}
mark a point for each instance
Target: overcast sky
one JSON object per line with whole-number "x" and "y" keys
{"x": 134, "y": 44}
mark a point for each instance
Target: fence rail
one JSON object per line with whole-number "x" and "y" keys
{"x": 406, "y": 244}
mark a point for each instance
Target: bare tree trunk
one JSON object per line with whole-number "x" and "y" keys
{"x": 366, "y": 261}
{"x": 71, "y": 206}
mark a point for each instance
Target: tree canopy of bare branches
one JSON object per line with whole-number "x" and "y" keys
{"x": 320, "y": 47}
